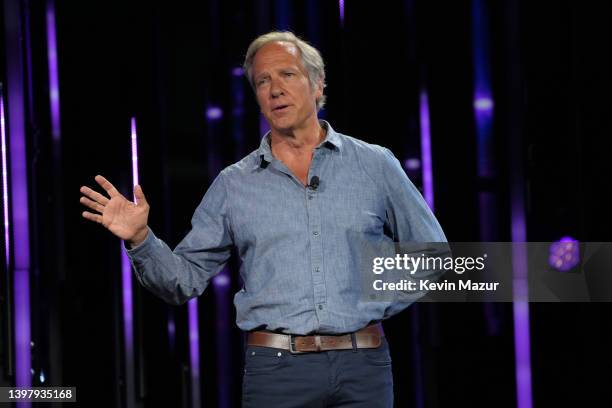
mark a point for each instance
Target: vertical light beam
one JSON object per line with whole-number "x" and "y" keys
{"x": 428, "y": 190}
{"x": 483, "y": 117}
{"x": 54, "y": 95}
{"x": 134, "y": 138}
{"x": 5, "y": 202}
{"x": 194, "y": 351}
{"x": 520, "y": 305}
{"x": 126, "y": 286}
{"x": 483, "y": 108}
{"x": 20, "y": 223}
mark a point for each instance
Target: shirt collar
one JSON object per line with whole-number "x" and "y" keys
{"x": 332, "y": 140}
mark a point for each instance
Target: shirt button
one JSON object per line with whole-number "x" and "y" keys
{"x": 315, "y": 233}
{"x": 310, "y": 197}
{"x": 317, "y": 269}
{"x": 320, "y": 307}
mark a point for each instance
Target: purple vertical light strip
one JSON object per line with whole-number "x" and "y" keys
{"x": 483, "y": 117}
{"x": 483, "y": 109}
{"x": 341, "y": 10}
{"x": 515, "y": 99}
{"x": 193, "y": 325}
{"x": 428, "y": 190}
{"x": 483, "y": 99}
{"x": 5, "y": 198}
{"x": 53, "y": 72}
{"x": 126, "y": 287}
{"x": 5, "y": 202}
{"x": 428, "y": 193}
{"x": 194, "y": 351}
{"x": 128, "y": 324}
{"x": 522, "y": 347}
{"x": 19, "y": 163}
{"x": 134, "y": 138}
{"x": 222, "y": 282}
{"x": 23, "y": 353}
{"x": 221, "y": 285}
{"x": 21, "y": 283}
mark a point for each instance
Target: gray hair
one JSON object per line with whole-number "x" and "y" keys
{"x": 310, "y": 57}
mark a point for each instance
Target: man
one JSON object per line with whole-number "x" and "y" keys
{"x": 296, "y": 209}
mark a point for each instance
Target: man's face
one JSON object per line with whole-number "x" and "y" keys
{"x": 283, "y": 90}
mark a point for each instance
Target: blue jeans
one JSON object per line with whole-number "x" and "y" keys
{"x": 339, "y": 378}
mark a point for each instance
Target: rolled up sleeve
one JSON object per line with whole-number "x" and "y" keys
{"x": 179, "y": 275}
{"x": 413, "y": 224}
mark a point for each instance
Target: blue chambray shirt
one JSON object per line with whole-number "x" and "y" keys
{"x": 299, "y": 247}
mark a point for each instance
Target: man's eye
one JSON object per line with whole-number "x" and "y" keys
{"x": 260, "y": 82}
{"x": 289, "y": 74}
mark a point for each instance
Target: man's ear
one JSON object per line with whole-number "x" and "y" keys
{"x": 319, "y": 90}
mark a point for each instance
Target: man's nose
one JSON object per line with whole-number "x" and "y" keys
{"x": 275, "y": 89}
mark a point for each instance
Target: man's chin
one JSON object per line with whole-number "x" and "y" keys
{"x": 282, "y": 126}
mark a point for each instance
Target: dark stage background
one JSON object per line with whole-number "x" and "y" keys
{"x": 518, "y": 97}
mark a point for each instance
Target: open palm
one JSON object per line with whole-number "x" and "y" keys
{"x": 125, "y": 219}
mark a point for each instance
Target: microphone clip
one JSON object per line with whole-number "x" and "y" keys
{"x": 314, "y": 183}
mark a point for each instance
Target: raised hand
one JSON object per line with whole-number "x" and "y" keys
{"x": 125, "y": 219}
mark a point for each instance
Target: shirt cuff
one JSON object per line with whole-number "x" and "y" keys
{"x": 142, "y": 247}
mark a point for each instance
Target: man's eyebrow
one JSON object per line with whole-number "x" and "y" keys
{"x": 260, "y": 75}
{"x": 264, "y": 74}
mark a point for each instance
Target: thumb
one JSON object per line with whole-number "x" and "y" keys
{"x": 139, "y": 195}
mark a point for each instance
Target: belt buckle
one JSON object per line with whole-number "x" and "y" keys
{"x": 292, "y": 349}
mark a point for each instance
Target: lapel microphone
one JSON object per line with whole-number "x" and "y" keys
{"x": 314, "y": 183}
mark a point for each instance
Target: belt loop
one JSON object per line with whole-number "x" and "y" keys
{"x": 292, "y": 344}
{"x": 354, "y": 342}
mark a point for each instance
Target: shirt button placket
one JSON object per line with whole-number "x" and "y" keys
{"x": 316, "y": 250}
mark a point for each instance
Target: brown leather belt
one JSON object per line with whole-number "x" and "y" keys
{"x": 368, "y": 337}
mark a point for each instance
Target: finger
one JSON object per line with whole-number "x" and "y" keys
{"x": 106, "y": 185}
{"x": 92, "y": 217}
{"x": 94, "y": 195}
{"x": 139, "y": 194}
{"x": 92, "y": 204}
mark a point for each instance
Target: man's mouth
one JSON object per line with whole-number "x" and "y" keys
{"x": 279, "y": 108}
